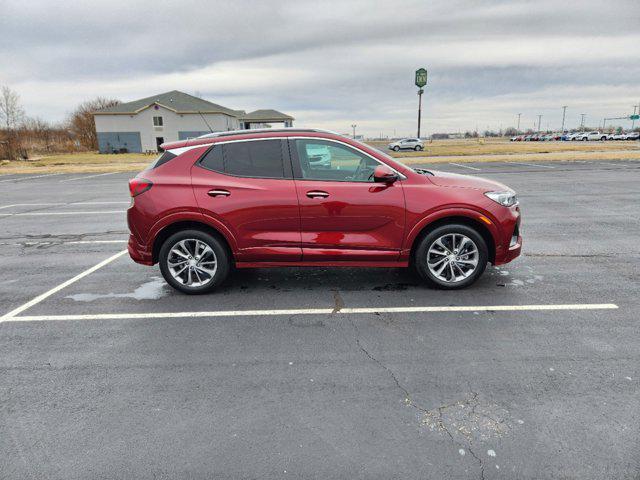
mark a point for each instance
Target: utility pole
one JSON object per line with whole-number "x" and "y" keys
{"x": 539, "y": 120}
{"x": 354, "y": 130}
{"x": 420, "y": 81}
{"x": 582, "y": 121}
{"x": 518, "y": 127}
{"x": 564, "y": 112}
{"x": 633, "y": 122}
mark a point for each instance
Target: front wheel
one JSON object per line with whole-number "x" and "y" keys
{"x": 193, "y": 261}
{"x": 396, "y": 148}
{"x": 451, "y": 256}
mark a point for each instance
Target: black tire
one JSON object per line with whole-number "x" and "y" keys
{"x": 396, "y": 148}
{"x": 420, "y": 256}
{"x": 417, "y": 148}
{"x": 584, "y": 139}
{"x": 223, "y": 260}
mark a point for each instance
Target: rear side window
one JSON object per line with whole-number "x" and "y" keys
{"x": 212, "y": 160}
{"x": 161, "y": 160}
{"x": 262, "y": 158}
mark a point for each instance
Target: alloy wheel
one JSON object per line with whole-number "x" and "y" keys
{"x": 192, "y": 262}
{"x": 452, "y": 257}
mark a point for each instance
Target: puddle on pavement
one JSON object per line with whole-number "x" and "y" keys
{"x": 152, "y": 290}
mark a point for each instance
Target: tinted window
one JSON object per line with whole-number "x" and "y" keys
{"x": 213, "y": 159}
{"x": 261, "y": 158}
{"x": 322, "y": 160}
{"x": 161, "y": 160}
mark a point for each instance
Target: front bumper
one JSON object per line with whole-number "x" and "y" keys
{"x": 511, "y": 245}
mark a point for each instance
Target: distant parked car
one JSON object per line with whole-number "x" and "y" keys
{"x": 407, "y": 144}
{"x": 517, "y": 138}
{"x": 319, "y": 156}
{"x": 633, "y": 136}
{"x": 591, "y": 136}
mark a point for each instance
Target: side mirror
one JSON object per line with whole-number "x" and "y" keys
{"x": 383, "y": 174}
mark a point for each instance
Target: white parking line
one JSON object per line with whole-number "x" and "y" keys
{"x": 29, "y": 178}
{"x": 57, "y": 204}
{"x": 87, "y": 176}
{"x": 530, "y": 164}
{"x": 307, "y": 311}
{"x": 48, "y": 293}
{"x": 44, "y": 214}
{"x": 463, "y": 166}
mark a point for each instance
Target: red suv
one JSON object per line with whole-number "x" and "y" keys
{"x": 297, "y": 197}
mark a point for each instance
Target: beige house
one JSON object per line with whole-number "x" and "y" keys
{"x": 143, "y": 125}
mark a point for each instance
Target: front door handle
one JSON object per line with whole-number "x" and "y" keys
{"x": 218, "y": 193}
{"x": 317, "y": 194}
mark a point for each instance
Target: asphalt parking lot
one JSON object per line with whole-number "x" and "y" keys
{"x": 112, "y": 376}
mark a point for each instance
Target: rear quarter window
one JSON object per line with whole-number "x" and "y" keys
{"x": 161, "y": 160}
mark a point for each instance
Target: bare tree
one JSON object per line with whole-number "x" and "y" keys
{"x": 11, "y": 115}
{"x": 81, "y": 121}
{"x": 11, "y": 112}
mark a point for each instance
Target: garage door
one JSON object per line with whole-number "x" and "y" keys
{"x": 109, "y": 142}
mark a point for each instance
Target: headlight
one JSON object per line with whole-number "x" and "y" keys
{"x": 507, "y": 199}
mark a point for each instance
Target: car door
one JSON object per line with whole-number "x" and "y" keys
{"x": 344, "y": 215}
{"x": 248, "y": 186}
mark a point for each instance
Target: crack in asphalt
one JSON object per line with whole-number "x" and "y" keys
{"x": 410, "y": 402}
{"x": 48, "y": 240}
{"x": 338, "y": 302}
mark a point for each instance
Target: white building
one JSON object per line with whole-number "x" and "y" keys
{"x": 143, "y": 125}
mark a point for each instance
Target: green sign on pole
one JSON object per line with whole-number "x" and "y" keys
{"x": 634, "y": 117}
{"x": 421, "y": 77}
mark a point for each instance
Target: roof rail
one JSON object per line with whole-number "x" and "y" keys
{"x": 263, "y": 130}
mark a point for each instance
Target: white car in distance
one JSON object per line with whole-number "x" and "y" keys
{"x": 407, "y": 144}
{"x": 591, "y": 136}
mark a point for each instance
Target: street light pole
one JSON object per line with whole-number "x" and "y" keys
{"x": 420, "y": 92}
{"x": 518, "y": 127}
{"x": 633, "y": 122}
{"x": 420, "y": 82}
{"x": 539, "y": 120}
{"x": 354, "y": 130}
{"x": 564, "y": 112}
{"x": 582, "y": 115}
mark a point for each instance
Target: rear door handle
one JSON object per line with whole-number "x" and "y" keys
{"x": 317, "y": 194}
{"x": 218, "y": 193}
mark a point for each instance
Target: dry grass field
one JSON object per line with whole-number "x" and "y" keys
{"x": 90, "y": 162}
{"x": 466, "y": 150}
{"x": 492, "y": 149}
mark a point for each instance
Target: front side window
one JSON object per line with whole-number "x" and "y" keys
{"x": 157, "y": 121}
{"x": 260, "y": 159}
{"x": 324, "y": 160}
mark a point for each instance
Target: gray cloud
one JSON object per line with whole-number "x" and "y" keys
{"x": 334, "y": 62}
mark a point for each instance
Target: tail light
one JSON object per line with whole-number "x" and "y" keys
{"x": 139, "y": 185}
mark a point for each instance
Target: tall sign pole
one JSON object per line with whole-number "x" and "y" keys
{"x": 420, "y": 81}
{"x": 564, "y": 112}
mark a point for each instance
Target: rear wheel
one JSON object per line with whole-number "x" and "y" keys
{"x": 194, "y": 262}
{"x": 451, "y": 256}
{"x": 417, "y": 148}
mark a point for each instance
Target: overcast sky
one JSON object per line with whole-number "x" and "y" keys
{"x": 333, "y": 63}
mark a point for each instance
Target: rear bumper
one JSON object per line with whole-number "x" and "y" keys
{"x": 139, "y": 253}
